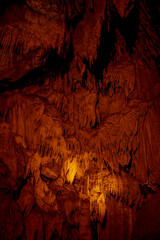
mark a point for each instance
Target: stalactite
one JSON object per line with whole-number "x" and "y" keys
{"x": 79, "y": 120}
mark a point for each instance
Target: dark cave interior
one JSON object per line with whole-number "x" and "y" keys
{"x": 79, "y": 120}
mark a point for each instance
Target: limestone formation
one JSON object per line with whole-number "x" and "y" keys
{"x": 79, "y": 120}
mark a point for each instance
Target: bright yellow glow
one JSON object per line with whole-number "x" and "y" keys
{"x": 71, "y": 169}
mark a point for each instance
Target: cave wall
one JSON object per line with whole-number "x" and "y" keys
{"x": 79, "y": 120}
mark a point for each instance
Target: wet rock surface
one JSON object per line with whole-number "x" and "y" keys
{"x": 79, "y": 120}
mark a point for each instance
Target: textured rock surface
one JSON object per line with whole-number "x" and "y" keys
{"x": 79, "y": 120}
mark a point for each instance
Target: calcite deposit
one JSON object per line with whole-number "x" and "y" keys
{"x": 79, "y": 120}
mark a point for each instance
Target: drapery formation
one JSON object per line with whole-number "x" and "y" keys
{"x": 79, "y": 120}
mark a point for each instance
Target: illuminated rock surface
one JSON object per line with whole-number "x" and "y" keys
{"x": 79, "y": 120}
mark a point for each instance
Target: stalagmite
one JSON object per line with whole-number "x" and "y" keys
{"x": 79, "y": 120}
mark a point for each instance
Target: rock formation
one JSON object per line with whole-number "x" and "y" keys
{"x": 79, "y": 120}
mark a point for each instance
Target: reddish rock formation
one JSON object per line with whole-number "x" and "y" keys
{"x": 79, "y": 120}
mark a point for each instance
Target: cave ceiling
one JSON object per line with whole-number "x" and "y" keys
{"x": 79, "y": 119}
